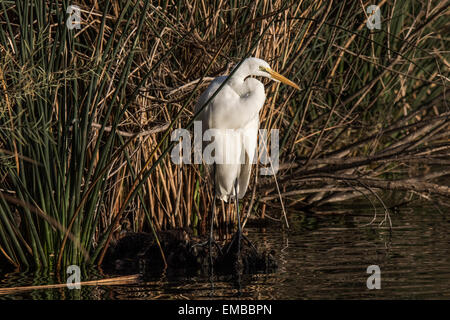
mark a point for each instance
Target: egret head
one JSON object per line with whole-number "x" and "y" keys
{"x": 259, "y": 67}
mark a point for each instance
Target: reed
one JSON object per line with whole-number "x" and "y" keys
{"x": 116, "y": 281}
{"x": 86, "y": 114}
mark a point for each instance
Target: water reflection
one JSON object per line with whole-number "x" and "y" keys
{"x": 320, "y": 257}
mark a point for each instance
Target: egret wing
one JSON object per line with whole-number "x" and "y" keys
{"x": 249, "y": 143}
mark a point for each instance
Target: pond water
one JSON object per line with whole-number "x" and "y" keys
{"x": 319, "y": 257}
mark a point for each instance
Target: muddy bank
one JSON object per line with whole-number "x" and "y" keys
{"x": 185, "y": 255}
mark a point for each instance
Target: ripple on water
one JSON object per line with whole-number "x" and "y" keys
{"x": 319, "y": 258}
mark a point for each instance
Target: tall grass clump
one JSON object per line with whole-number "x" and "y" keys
{"x": 86, "y": 114}
{"x": 65, "y": 92}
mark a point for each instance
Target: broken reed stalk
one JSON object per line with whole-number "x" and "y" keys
{"x": 116, "y": 281}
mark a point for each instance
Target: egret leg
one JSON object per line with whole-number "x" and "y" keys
{"x": 211, "y": 236}
{"x": 213, "y": 214}
{"x": 238, "y": 217}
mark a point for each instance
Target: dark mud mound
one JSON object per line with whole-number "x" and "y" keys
{"x": 185, "y": 255}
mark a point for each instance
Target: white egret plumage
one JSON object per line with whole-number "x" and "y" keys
{"x": 234, "y": 115}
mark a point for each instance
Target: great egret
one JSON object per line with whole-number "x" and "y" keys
{"x": 234, "y": 115}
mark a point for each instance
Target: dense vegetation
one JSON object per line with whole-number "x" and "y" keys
{"x": 86, "y": 114}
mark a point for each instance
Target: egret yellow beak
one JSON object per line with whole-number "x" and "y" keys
{"x": 279, "y": 77}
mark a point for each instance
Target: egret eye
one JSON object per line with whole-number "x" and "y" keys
{"x": 261, "y": 68}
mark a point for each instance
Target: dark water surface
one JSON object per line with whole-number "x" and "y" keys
{"x": 320, "y": 257}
